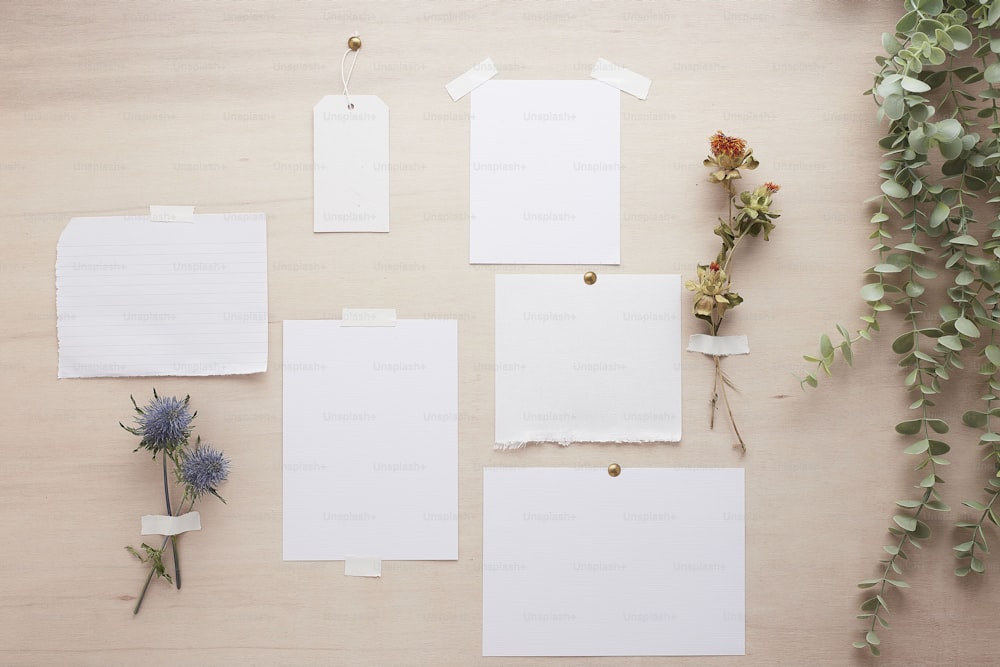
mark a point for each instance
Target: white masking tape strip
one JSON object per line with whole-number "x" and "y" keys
{"x": 718, "y": 346}
{"x": 621, "y": 78}
{"x": 362, "y": 566}
{"x": 171, "y": 213}
{"x": 158, "y": 524}
{"x": 368, "y": 317}
{"x": 475, "y": 77}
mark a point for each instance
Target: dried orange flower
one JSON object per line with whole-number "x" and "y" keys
{"x": 722, "y": 144}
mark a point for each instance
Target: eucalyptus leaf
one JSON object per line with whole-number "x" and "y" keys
{"x": 872, "y": 292}
{"x": 919, "y": 447}
{"x": 894, "y": 189}
{"x": 951, "y": 342}
{"x": 993, "y": 354}
{"x": 966, "y": 327}
{"x": 992, "y": 73}
{"x": 974, "y": 419}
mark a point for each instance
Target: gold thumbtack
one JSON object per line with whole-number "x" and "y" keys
{"x": 614, "y": 470}
{"x": 354, "y": 43}
{"x": 590, "y": 277}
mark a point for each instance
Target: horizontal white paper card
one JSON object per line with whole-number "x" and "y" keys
{"x": 370, "y": 440}
{"x": 578, "y": 563}
{"x": 142, "y": 298}
{"x": 587, "y": 363}
{"x": 545, "y": 184}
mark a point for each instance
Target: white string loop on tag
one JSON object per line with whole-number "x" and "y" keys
{"x": 353, "y": 44}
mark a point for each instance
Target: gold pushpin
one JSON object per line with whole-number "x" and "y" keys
{"x": 614, "y": 470}
{"x": 354, "y": 43}
{"x": 590, "y": 277}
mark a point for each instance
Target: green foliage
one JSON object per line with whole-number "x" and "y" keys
{"x": 152, "y": 556}
{"x": 938, "y": 90}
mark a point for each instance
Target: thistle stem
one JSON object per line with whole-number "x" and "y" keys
{"x": 173, "y": 538}
{"x": 149, "y": 578}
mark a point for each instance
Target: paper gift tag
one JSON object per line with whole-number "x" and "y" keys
{"x": 351, "y": 164}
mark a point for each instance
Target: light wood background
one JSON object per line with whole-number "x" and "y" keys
{"x": 107, "y": 107}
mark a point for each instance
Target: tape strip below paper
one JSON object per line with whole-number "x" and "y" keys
{"x": 368, "y": 317}
{"x": 621, "y": 78}
{"x": 158, "y": 524}
{"x": 718, "y": 346}
{"x": 171, "y": 213}
{"x": 362, "y": 566}
{"x": 475, "y": 77}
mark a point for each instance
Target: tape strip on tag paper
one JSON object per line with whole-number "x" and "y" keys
{"x": 159, "y": 524}
{"x": 718, "y": 346}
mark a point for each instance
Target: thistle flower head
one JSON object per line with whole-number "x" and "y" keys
{"x": 203, "y": 470}
{"x": 164, "y": 423}
{"x": 729, "y": 155}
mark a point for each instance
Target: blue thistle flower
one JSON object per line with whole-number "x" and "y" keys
{"x": 164, "y": 423}
{"x": 202, "y": 470}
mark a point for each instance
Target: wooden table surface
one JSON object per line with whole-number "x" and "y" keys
{"x": 107, "y": 107}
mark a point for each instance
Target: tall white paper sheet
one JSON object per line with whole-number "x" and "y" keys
{"x": 141, "y": 298}
{"x": 587, "y": 363}
{"x": 370, "y": 440}
{"x": 578, "y": 563}
{"x": 545, "y": 185}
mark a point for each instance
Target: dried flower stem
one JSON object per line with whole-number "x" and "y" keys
{"x": 750, "y": 215}
{"x": 152, "y": 570}
{"x": 173, "y": 538}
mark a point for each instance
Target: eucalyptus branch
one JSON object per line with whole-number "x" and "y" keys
{"x": 937, "y": 101}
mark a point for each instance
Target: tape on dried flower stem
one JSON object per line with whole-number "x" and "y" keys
{"x": 159, "y": 524}
{"x": 718, "y": 346}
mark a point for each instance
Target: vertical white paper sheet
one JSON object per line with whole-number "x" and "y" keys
{"x": 370, "y": 440}
{"x": 351, "y": 164}
{"x": 587, "y": 363}
{"x": 142, "y": 298}
{"x": 545, "y": 184}
{"x": 578, "y": 563}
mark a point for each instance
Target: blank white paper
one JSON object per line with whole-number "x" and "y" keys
{"x": 351, "y": 164}
{"x": 142, "y": 298}
{"x": 587, "y": 363}
{"x": 545, "y": 185}
{"x": 370, "y": 440}
{"x": 578, "y": 563}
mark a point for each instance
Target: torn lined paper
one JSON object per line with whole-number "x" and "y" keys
{"x": 142, "y": 298}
